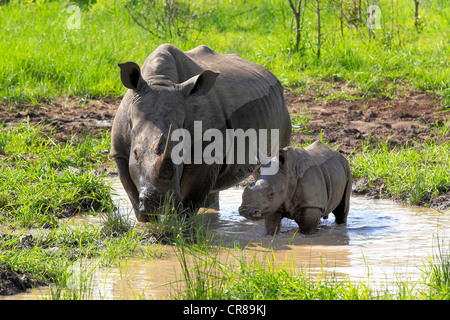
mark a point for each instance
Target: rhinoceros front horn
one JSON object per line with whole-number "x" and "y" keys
{"x": 164, "y": 167}
{"x": 169, "y": 145}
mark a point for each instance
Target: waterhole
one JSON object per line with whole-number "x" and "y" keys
{"x": 383, "y": 242}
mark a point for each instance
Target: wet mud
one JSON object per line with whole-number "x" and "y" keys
{"x": 381, "y": 243}
{"x": 12, "y": 282}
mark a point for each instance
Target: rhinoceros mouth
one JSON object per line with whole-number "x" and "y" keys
{"x": 250, "y": 213}
{"x": 156, "y": 205}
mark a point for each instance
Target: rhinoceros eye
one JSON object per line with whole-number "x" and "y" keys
{"x": 136, "y": 153}
{"x": 271, "y": 195}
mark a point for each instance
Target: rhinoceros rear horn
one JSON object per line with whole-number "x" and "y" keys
{"x": 130, "y": 75}
{"x": 200, "y": 84}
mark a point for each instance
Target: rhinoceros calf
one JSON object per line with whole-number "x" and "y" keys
{"x": 175, "y": 90}
{"x": 310, "y": 183}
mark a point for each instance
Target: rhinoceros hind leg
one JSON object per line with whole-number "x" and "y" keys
{"x": 341, "y": 211}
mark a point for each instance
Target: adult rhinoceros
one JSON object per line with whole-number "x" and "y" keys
{"x": 172, "y": 90}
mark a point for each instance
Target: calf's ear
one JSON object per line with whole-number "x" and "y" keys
{"x": 282, "y": 158}
{"x": 130, "y": 75}
{"x": 200, "y": 84}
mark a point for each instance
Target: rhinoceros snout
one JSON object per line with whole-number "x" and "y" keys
{"x": 249, "y": 212}
{"x": 146, "y": 211}
{"x": 155, "y": 204}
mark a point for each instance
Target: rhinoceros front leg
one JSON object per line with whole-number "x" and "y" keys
{"x": 308, "y": 220}
{"x": 212, "y": 200}
{"x": 129, "y": 186}
{"x": 196, "y": 185}
{"x": 272, "y": 224}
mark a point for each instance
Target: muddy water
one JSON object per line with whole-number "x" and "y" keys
{"x": 383, "y": 242}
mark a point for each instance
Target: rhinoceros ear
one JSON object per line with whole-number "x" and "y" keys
{"x": 130, "y": 75}
{"x": 282, "y": 157}
{"x": 200, "y": 84}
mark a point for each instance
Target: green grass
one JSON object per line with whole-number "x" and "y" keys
{"x": 301, "y": 121}
{"x": 436, "y": 273}
{"x": 51, "y": 258}
{"x": 412, "y": 174}
{"x": 206, "y": 276}
{"x": 45, "y": 58}
{"x": 42, "y": 181}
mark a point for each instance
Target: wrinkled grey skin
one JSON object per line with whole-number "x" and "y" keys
{"x": 310, "y": 183}
{"x": 172, "y": 90}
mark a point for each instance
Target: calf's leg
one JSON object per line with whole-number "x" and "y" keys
{"x": 308, "y": 220}
{"x": 341, "y": 211}
{"x": 272, "y": 223}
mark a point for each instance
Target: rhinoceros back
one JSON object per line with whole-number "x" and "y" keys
{"x": 322, "y": 176}
{"x": 240, "y": 81}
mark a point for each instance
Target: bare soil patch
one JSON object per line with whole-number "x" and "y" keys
{"x": 65, "y": 115}
{"x": 344, "y": 122}
{"x": 347, "y": 122}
